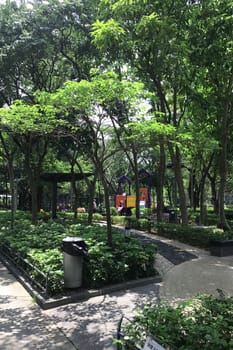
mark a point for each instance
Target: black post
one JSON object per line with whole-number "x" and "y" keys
{"x": 54, "y": 200}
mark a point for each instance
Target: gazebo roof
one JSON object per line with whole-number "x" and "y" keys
{"x": 64, "y": 177}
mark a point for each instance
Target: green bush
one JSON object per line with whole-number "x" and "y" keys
{"x": 113, "y": 211}
{"x": 212, "y": 218}
{"x": 50, "y": 261}
{"x": 118, "y": 220}
{"x": 203, "y": 323}
{"x": 127, "y": 260}
{"x": 229, "y": 214}
{"x": 145, "y": 224}
{"x": 131, "y": 222}
{"x": 97, "y": 217}
{"x": 41, "y": 246}
{"x": 193, "y": 235}
{"x": 146, "y": 211}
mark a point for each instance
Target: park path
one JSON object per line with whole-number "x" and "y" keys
{"x": 92, "y": 324}
{"x": 85, "y": 325}
{"x": 22, "y": 323}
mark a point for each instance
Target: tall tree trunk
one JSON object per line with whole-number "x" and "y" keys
{"x": 33, "y": 178}
{"x": 203, "y": 213}
{"x": 101, "y": 173}
{"x": 212, "y": 180}
{"x": 203, "y": 209}
{"x": 135, "y": 169}
{"x": 132, "y": 156}
{"x": 34, "y": 196}
{"x": 222, "y": 222}
{"x": 176, "y": 162}
{"x": 75, "y": 193}
{"x": 108, "y": 212}
{"x": 12, "y": 192}
{"x": 160, "y": 181}
{"x": 91, "y": 190}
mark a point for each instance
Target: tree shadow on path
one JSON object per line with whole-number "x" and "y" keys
{"x": 92, "y": 324}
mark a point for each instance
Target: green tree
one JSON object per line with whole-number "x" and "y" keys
{"x": 211, "y": 57}
{"x": 70, "y": 151}
{"x": 30, "y": 127}
{"x": 126, "y": 103}
{"x": 88, "y": 108}
{"x": 8, "y": 153}
{"x": 43, "y": 45}
{"x": 152, "y": 37}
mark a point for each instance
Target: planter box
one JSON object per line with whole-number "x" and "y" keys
{"x": 221, "y": 248}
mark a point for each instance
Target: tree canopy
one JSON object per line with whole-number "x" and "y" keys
{"x": 133, "y": 82}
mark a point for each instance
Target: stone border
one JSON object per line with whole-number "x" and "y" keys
{"x": 76, "y": 295}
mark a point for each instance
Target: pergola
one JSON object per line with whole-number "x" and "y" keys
{"x": 55, "y": 178}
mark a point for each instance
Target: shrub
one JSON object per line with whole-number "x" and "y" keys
{"x": 128, "y": 259}
{"x": 97, "y": 217}
{"x": 113, "y": 211}
{"x": 41, "y": 245}
{"x": 203, "y": 323}
{"x": 131, "y": 222}
{"x": 212, "y": 218}
{"x": 229, "y": 214}
{"x": 193, "y": 235}
{"x": 118, "y": 220}
{"x": 50, "y": 261}
{"x": 146, "y": 211}
{"x": 82, "y": 216}
{"x": 145, "y": 224}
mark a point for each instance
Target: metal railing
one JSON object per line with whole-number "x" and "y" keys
{"x": 131, "y": 345}
{"x": 125, "y": 342}
{"x": 26, "y": 268}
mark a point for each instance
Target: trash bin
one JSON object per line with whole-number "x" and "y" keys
{"x": 172, "y": 217}
{"x": 74, "y": 251}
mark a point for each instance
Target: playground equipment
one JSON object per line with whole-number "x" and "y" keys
{"x": 125, "y": 201}
{"x": 122, "y": 198}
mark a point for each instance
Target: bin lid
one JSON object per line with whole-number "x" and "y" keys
{"x": 74, "y": 246}
{"x": 72, "y": 239}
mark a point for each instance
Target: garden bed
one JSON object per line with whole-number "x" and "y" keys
{"x": 198, "y": 236}
{"x": 68, "y": 296}
{"x": 203, "y": 323}
{"x": 40, "y": 246}
{"x": 221, "y": 248}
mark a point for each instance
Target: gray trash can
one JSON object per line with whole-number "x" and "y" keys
{"x": 172, "y": 217}
{"x": 74, "y": 251}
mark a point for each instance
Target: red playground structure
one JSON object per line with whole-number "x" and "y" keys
{"x": 125, "y": 201}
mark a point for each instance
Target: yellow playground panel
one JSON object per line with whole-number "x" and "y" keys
{"x": 130, "y": 201}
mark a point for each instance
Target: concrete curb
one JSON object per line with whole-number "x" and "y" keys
{"x": 75, "y": 295}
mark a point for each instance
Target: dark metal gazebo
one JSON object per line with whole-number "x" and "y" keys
{"x": 55, "y": 178}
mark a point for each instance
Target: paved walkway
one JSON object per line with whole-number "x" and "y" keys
{"x": 91, "y": 324}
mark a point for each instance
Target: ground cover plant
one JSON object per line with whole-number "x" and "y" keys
{"x": 191, "y": 234}
{"x": 194, "y": 235}
{"x": 203, "y": 323}
{"x": 41, "y": 245}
